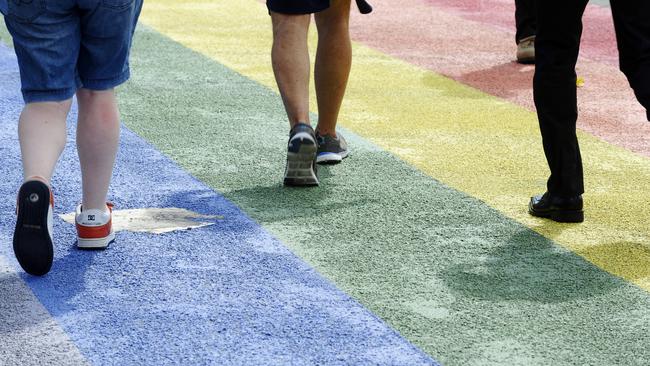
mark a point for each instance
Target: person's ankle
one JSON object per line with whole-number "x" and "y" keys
{"x": 325, "y": 132}
{"x": 101, "y": 207}
{"x": 37, "y": 178}
{"x": 297, "y": 123}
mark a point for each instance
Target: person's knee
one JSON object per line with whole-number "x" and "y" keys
{"x": 335, "y": 23}
{"x": 98, "y": 107}
{"x": 102, "y": 100}
{"x": 334, "y": 28}
{"x": 58, "y": 108}
{"x": 289, "y": 25}
{"x": 87, "y": 95}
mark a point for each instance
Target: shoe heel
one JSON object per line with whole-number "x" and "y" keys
{"x": 301, "y": 168}
{"x": 32, "y": 243}
{"x": 568, "y": 216}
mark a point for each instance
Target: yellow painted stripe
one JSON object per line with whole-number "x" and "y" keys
{"x": 469, "y": 140}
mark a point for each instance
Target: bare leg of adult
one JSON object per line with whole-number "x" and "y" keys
{"x": 98, "y": 133}
{"x": 42, "y": 135}
{"x": 333, "y": 63}
{"x": 290, "y": 57}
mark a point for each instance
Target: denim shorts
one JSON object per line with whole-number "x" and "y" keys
{"x": 297, "y": 6}
{"x": 65, "y": 45}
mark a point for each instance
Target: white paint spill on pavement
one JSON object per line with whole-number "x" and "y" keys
{"x": 155, "y": 220}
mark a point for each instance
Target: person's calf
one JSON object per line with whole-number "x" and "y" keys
{"x": 98, "y": 132}
{"x": 333, "y": 65}
{"x": 42, "y": 134}
{"x": 290, "y": 60}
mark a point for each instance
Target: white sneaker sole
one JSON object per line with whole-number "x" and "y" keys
{"x": 100, "y": 243}
{"x": 300, "y": 170}
{"x": 331, "y": 158}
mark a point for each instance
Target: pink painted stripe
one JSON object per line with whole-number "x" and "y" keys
{"x": 598, "y": 39}
{"x": 481, "y": 56}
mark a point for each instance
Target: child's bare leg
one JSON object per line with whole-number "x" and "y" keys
{"x": 98, "y": 133}
{"x": 290, "y": 56}
{"x": 333, "y": 63}
{"x": 42, "y": 135}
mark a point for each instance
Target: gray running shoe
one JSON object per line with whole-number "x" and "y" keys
{"x": 301, "y": 157}
{"x": 331, "y": 150}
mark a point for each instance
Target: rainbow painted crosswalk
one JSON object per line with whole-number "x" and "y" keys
{"x": 418, "y": 249}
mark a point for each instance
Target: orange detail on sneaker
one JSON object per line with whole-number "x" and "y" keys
{"x": 93, "y": 232}
{"x": 94, "y": 227}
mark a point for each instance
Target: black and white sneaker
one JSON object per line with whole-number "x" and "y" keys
{"x": 331, "y": 150}
{"x": 301, "y": 157}
{"x": 33, "y": 235}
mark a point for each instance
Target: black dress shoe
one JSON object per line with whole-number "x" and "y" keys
{"x": 558, "y": 209}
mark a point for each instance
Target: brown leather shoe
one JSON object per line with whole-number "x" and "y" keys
{"x": 558, "y": 209}
{"x": 526, "y": 50}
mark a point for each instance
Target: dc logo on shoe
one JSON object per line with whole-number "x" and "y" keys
{"x": 91, "y": 217}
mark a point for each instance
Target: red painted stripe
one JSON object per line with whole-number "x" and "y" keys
{"x": 482, "y": 56}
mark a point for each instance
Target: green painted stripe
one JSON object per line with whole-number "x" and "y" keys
{"x": 457, "y": 278}
{"x": 466, "y": 139}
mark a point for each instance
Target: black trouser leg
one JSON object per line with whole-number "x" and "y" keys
{"x": 632, "y": 23}
{"x": 525, "y": 18}
{"x": 559, "y": 27}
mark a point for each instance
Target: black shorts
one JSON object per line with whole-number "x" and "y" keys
{"x": 297, "y": 6}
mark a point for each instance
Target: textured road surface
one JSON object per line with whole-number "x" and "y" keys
{"x": 424, "y": 225}
{"x": 225, "y": 294}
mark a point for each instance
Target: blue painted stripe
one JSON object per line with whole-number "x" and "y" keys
{"x": 225, "y": 294}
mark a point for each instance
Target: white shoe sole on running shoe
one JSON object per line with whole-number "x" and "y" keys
{"x": 301, "y": 170}
{"x": 331, "y": 158}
